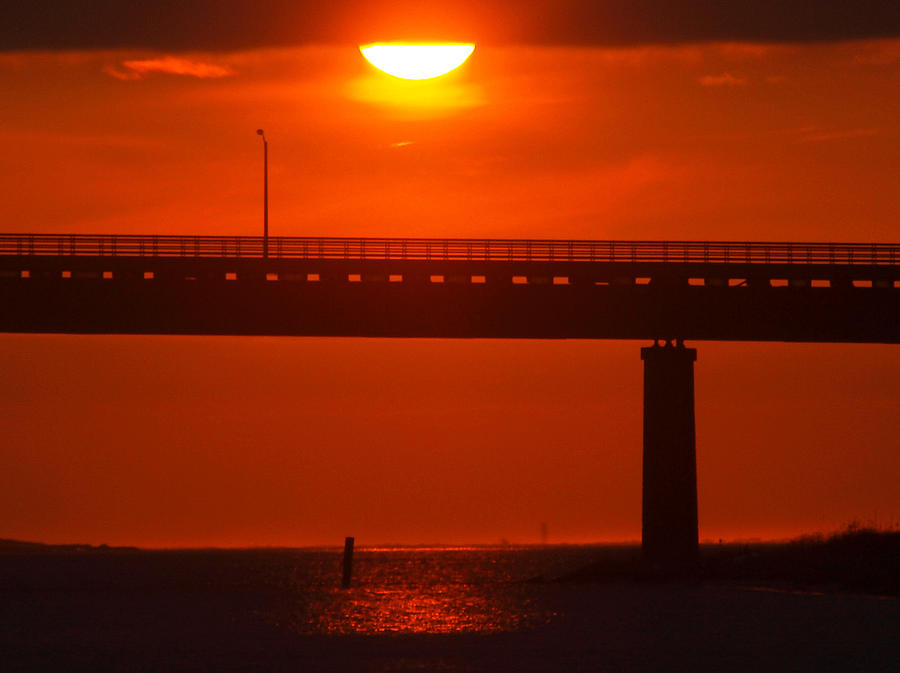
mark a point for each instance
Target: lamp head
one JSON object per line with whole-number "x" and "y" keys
{"x": 260, "y": 132}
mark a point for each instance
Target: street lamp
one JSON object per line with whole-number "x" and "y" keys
{"x": 262, "y": 133}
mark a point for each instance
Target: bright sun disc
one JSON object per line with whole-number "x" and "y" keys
{"x": 417, "y": 61}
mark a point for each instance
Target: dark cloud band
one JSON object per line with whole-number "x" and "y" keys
{"x": 236, "y": 24}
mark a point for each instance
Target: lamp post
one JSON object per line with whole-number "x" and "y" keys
{"x": 262, "y": 133}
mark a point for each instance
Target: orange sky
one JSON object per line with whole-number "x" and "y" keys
{"x": 188, "y": 441}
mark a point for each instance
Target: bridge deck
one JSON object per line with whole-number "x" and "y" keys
{"x": 450, "y": 287}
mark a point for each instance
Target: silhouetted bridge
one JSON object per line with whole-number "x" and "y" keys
{"x": 468, "y": 288}
{"x": 449, "y": 288}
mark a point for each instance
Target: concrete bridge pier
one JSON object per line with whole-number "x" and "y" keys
{"x": 669, "y": 535}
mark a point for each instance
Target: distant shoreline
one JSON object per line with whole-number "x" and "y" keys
{"x": 25, "y": 547}
{"x": 860, "y": 560}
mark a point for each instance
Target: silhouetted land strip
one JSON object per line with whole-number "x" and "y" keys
{"x": 22, "y": 547}
{"x": 857, "y": 560}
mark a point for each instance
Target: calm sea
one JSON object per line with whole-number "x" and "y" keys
{"x": 471, "y": 609}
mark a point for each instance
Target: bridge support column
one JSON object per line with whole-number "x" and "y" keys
{"x": 669, "y": 535}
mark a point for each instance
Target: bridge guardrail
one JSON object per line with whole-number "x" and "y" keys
{"x": 536, "y": 250}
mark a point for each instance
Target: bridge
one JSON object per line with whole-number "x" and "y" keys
{"x": 663, "y": 291}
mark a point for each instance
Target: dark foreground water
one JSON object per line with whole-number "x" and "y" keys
{"x": 413, "y": 610}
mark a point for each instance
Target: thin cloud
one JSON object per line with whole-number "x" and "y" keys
{"x": 170, "y": 65}
{"x": 725, "y": 79}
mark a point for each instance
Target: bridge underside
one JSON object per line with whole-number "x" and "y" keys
{"x": 454, "y": 300}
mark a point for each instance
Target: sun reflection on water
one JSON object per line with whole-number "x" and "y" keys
{"x": 435, "y": 592}
{"x": 443, "y": 609}
{"x": 407, "y": 590}
{"x": 387, "y": 611}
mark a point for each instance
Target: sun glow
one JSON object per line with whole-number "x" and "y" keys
{"x": 417, "y": 61}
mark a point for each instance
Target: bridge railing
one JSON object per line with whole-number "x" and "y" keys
{"x": 537, "y": 250}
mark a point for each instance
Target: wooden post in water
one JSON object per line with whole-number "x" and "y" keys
{"x": 348, "y": 562}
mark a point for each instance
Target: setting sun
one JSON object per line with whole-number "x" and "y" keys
{"x": 417, "y": 61}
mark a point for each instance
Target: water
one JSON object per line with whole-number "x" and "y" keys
{"x": 468, "y": 590}
{"x": 175, "y": 607}
{"x": 452, "y": 610}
